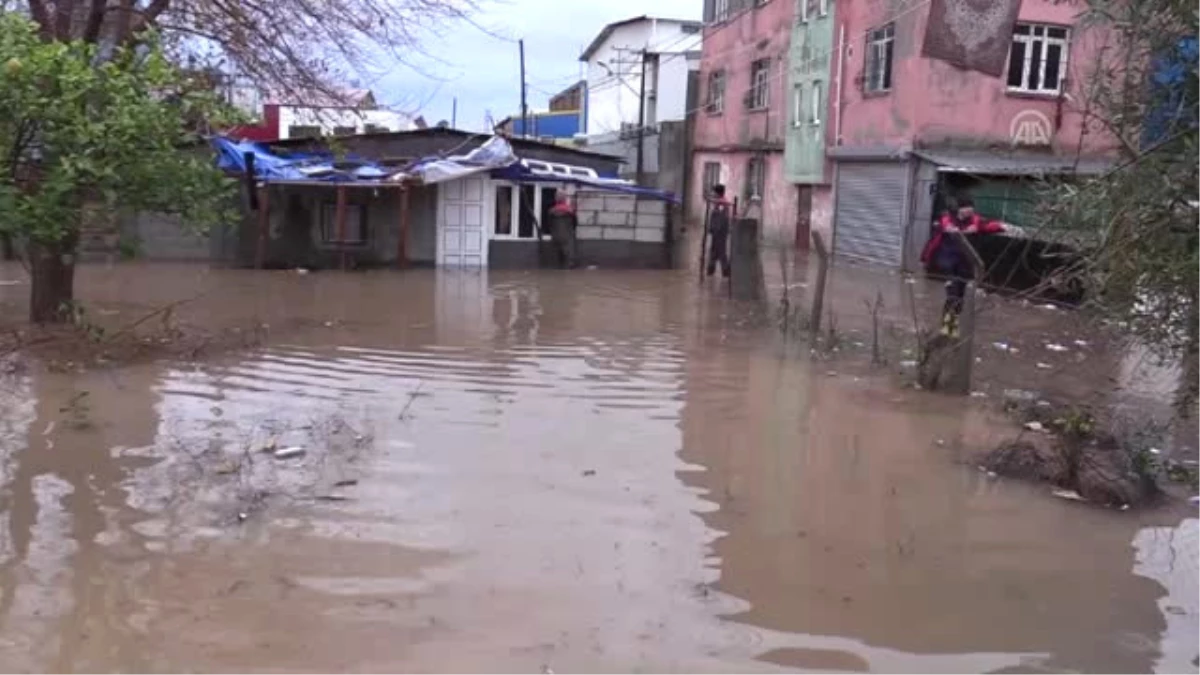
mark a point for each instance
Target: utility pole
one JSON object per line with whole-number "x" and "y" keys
{"x": 454, "y": 113}
{"x": 641, "y": 130}
{"x": 524, "y": 108}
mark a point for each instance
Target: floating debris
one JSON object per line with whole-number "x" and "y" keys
{"x": 1002, "y": 346}
{"x": 979, "y": 394}
{"x": 1048, "y": 306}
{"x": 1081, "y": 343}
{"x": 1068, "y": 494}
{"x": 1044, "y": 366}
{"x": 1035, "y": 426}
{"x": 289, "y": 452}
{"x": 908, "y": 364}
{"x": 1055, "y": 347}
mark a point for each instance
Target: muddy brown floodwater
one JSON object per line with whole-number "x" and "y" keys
{"x": 594, "y": 471}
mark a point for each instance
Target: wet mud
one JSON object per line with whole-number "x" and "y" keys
{"x": 520, "y": 471}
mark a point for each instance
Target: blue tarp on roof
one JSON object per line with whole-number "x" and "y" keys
{"x": 494, "y": 156}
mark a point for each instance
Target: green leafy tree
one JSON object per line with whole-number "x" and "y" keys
{"x": 81, "y": 135}
{"x": 1139, "y": 221}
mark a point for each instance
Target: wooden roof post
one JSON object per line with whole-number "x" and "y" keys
{"x": 341, "y": 222}
{"x": 264, "y": 224}
{"x": 402, "y": 244}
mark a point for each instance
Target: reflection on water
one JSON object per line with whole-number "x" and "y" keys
{"x": 592, "y": 471}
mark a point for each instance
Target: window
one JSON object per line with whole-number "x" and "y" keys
{"x": 343, "y": 131}
{"x": 304, "y": 131}
{"x": 878, "y": 69}
{"x": 517, "y": 208}
{"x": 721, "y": 11}
{"x": 814, "y": 109}
{"x": 797, "y": 105}
{"x": 716, "y": 92}
{"x": 755, "y": 179}
{"x": 759, "y": 96}
{"x": 1037, "y": 58}
{"x": 712, "y": 176}
{"x": 807, "y": 9}
{"x": 355, "y": 233}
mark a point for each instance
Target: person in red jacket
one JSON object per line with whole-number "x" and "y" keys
{"x": 562, "y": 222}
{"x": 944, "y": 254}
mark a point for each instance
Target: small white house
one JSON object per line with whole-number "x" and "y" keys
{"x": 664, "y": 49}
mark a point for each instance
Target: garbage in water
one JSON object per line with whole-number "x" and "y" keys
{"x": 346, "y": 483}
{"x": 589, "y": 472}
{"x": 1068, "y": 494}
{"x": 979, "y": 394}
{"x": 1081, "y": 343}
{"x": 1048, "y": 306}
{"x": 1055, "y": 347}
{"x": 1002, "y": 346}
{"x": 908, "y": 364}
{"x": 1019, "y": 395}
{"x": 1035, "y": 426}
{"x": 1044, "y": 366}
{"x": 289, "y": 452}
{"x": 1155, "y": 451}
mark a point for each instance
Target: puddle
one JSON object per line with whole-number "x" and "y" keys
{"x": 588, "y": 471}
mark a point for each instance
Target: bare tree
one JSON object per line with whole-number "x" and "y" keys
{"x": 295, "y": 47}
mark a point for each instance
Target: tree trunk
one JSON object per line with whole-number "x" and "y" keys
{"x": 52, "y": 269}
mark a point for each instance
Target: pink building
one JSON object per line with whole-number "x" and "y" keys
{"x": 739, "y": 133}
{"x": 948, "y": 98}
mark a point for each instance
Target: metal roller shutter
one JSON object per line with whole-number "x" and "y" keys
{"x": 869, "y": 217}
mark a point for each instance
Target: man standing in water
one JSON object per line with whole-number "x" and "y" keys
{"x": 945, "y": 254}
{"x": 562, "y": 223}
{"x": 719, "y": 215}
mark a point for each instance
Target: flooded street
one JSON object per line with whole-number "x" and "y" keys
{"x": 520, "y": 471}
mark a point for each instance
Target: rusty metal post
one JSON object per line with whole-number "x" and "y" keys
{"x": 818, "y": 303}
{"x": 746, "y": 278}
{"x": 340, "y": 216}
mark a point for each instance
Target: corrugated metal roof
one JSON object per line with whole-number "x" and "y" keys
{"x": 1013, "y": 163}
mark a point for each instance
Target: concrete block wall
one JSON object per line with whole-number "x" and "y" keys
{"x": 620, "y": 217}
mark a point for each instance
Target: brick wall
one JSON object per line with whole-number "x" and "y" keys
{"x": 609, "y": 216}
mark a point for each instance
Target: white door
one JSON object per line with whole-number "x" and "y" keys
{"x": 462, "y": 211}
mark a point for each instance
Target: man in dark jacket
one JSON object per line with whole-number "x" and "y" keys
{"x": 562, "y": 222}
{"x": 944, "y": 254}
{"x": 719, "y": 215}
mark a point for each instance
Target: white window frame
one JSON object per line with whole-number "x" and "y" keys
{"x": 823, "y": 8}
{"x": 707, "y": 184}
{"x": 802, "y": 11}
{"x": 515, "y": 209}
{"x": 815, "y": 104}
{"x": 756, "y": 185}
{"x": 797, "y": 104}
{"x": 716, "y": 105}
{"x": 759, "y": 81}
{"x": 878, "y": 41}
{"x": 1039, "y": 33}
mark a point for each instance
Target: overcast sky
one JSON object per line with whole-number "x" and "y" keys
{"x": 483, "y": 71}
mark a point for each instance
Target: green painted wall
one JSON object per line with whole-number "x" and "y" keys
{"x": 811, "y": 63}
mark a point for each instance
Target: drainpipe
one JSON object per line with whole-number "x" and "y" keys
{"x": 841, "y": 80}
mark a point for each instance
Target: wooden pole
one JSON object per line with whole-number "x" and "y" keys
{"x": 264, "y": 224}
{"x": 963, "y": 361}
{"x": 402, "y": 244}
{"x": 704, "y": 238}
{"x": 814, "y": 320}
{"x": 340, "y": 215}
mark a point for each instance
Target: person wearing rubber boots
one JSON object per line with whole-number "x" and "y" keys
{"x": 719, "y": 217}
{"x": 562, "y": 222}
{"x": 945, "y": 254}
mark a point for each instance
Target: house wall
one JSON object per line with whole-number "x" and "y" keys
{"x": 778, "y": 209}
{"x": 161, "y": 236}
{"x": 612, "y": 99}
{"x": 749, "y": 35}
{"x": 934, "y": 103}
{"x": 812, "y": 61}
